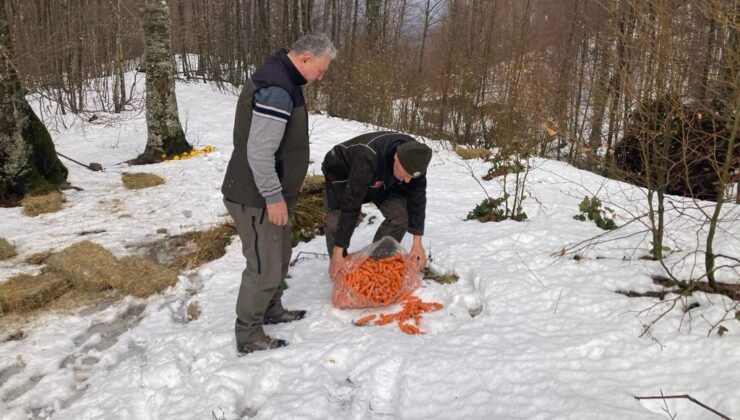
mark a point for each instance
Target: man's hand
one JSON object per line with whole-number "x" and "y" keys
{"x": 338, "y": 264}
{"x": 277, "y": 213}
{"x": 417, "y": 257}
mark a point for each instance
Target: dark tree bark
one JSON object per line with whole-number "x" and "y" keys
{"x": 372, "y": 15}
{"x": 28, "y": 159}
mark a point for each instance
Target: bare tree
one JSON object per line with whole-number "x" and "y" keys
{"x": 165, "y": 136}
{"x": 119, "y": 82}
{"x": 28, "y": 159}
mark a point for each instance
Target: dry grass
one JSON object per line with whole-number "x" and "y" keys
{"x": 86, "y": 273}
{"x": 113, "y": 205}
{"x": 308, "y": 217}
{"x": 139, "y": 180}
{"x": 22, "y": 293}
{"x": 73, "y": 301}
{"x": 313, "y": 184}
{"x": 194, "y": 249}
{"x": 40, "y": 204}
{"x": 38, "y": 258}
{"x": 472, "y": 153}
{"x": 17, "y": 335}
{"x": 6, "y": 250}
{"x": 88, "y": 266}
{"x": 144, "y": 277}
{"x": 193, "y": 311}
{"x": 441, "y": 278}
{"x": 88, "y": 269}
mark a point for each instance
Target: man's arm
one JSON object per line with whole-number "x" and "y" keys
{"x": 271, "y": 110}
{"x": 360, "y": 175}
{"x": 416, "y": 202}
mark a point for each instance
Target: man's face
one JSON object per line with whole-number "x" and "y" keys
{"x": 399, "y": 172}
{"x": 314, "y": 67}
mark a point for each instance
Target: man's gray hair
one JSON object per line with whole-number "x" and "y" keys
{"x": 316, "y": 44}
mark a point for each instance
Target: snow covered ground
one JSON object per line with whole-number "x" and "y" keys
{"x": 523, "y": 334}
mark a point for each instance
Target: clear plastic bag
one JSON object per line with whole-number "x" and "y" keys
{"x": 378, "y": 275}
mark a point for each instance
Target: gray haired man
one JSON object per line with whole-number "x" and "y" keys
{"x": 264, "y": 178}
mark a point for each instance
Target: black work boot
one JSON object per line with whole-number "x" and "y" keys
{"x": 265, "y": 343}
{"x": 286, "y": 316}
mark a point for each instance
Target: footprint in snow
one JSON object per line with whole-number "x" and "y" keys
{"x": 385, "y": 387}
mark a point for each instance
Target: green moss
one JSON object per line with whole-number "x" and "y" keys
{"x": 44, "y": 157}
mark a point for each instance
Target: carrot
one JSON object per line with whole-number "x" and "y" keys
{"x": 364, "y": 320}
{"x": 373, "y": 283}
{"x": 412, "y": 309}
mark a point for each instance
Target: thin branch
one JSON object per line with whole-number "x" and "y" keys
{"x": 684, "y": 396}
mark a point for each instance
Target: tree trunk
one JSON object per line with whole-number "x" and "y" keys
{"x": 119, "y": 84}
{"x": 354, "y": 32}
{"x": 307, "y": 15}
{"x": 600, "y": 94}
{"x": 263, "y": 15}
{"x": 372, "y": 15}
{"x": 164, "y": 132}
{"x": 701, "y": 88}
{"x": 28, "y": 159}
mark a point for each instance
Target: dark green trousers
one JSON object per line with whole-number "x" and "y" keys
{"x": 267, "y": 249}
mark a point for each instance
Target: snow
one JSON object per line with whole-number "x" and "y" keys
{"x": 523, "y": 334}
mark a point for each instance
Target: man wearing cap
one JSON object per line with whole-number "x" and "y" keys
{"x": 387, "y": 169}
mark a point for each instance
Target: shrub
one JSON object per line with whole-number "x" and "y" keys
{"x": 495, "y": 210}
{"x": 590, "y": 208}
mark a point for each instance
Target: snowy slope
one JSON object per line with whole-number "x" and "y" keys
{"x": 551, "y": 340}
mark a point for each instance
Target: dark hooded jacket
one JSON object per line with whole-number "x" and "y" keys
{"x": 359, "y": 171}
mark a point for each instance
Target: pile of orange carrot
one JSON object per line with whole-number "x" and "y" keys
{"x": 413, "y": 307}
{"x": 373, "y": 283}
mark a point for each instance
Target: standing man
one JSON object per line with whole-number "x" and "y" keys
{"x": 386, "y": 168}
{"x": 264, "y": 177}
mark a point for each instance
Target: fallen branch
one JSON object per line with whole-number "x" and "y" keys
{"x": 685, "y": 396}
{"x": 311, "y": 255}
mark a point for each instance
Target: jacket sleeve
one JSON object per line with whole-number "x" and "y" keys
{"x": 271, "y": 110}
{"x": 360, "y": 175}
{"x": 416, "y": 203}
